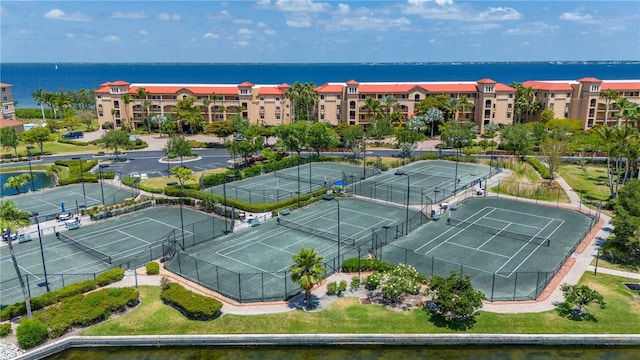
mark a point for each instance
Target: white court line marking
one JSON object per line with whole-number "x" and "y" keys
{"x": 523, "y": 246}
{"x": 129, "y": 236}
{"x": 537, "y": 247}
{"x": 493, "y": 236}
{"x": 447, "y": 240}
{"x": 477, "y": 249}
{"x": 514, "y": 223}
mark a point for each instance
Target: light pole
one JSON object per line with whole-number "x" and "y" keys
{"x": 29, "y": 147}
{"x": 403, "y": 173}
{"x": 84, "y": 194}
{"x": 455, "y": 180}
{"x": 364, "y": 157}
{"x": 173, "y": 183}
{"x": 44, "y": 266}
{"x": 329, "y": 198}
{"x": 299, "y": 158}
{"x": 100, "y": 167}
{"x": 224, "y": 207}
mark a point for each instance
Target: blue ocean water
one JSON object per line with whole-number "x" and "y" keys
{"x": 26, "y": 78}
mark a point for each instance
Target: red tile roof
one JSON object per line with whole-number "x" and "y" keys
{"x": 352, "y": 82}
{"x": 620, "y": 86}
{"x": 504, "y": 88}
{"x": 119, "y": 83}
{"x": 245, "y": 84}
{"x": 590, "y": 79}
{"x": 450, "y": 87}
{"x": 486, "y": 81}
{"x": 548, "y": 86}
{"x": 329, "y": 88}
{"x": 8, "y": 122}
{"x": 385, "y": 88}
{"x": 270, "y": 90}
{"x": 5, "y": 84}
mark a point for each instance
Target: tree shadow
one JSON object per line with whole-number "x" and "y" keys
{"x": 575, "y": 314}
{"x": 454, "y": 323}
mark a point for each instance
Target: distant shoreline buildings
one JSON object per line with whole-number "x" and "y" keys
{"x": 269, "y": 105}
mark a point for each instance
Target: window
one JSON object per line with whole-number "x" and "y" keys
{"x": 489, "y": 88}
{"x": 553, "y": 95}
{"x": 362, "y": 117}
{"x": 322, "y": 97}
{"x": 261, "y": 108}
{"x": 277, "y": 98}
{"x": 352, "y": 90}
{"x": 321, "y": 107}
{"x": 339, "y": 97}
{"x": 321, "y": 116}
{"x": 379, "y": 97}
{"x": 362, "y": 97}
{"x": 510, "y": 95}
{"x": 416, "y": 98}
{"x": 261, "y": 98}
{"x": 244, "y": 92}
{"x": 277, "y": 108}
{"x": 592, "y": 103}
{"x": 261, "y": 116}
{"x": 5, "y": 98}
{"x": 404, "y": 96}
{"x": 338, "y": 108}
{"x": 566, "y": 106}
{"x": 278, "y": 117}
{"x": 508, "y": 115}
{"x": 568, "y": 95}
{"x": 509, "y": 106}
{"x": 101, "y": 114}
{"x": 550, "y": 105}
{"x": 595, "y": 88}
{"x": 4, "y": 89}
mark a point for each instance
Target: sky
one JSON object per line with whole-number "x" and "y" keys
{"x": 310, "y": 31}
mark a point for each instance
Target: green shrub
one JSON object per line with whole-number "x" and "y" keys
{"x": 153, "y": 268}
{"x": 192, "y": 305}
{"x": 5, "y": 330}
{"x": 342, "y": 287}
{"x": 355, "y": 283}
{"x": 351, "y": 265}
{"x": 12, "y": 311}
{"x": 75, "y": 289}
{"x": 373, "y": 281}
{"x": 429, "y": 156}
{"x": 30, "y": 333}
{"x": 110, "y": 276}
{"x": 332, "y": 288}
{"x": 73, "y": 142}
{"x": 539, "y": 166}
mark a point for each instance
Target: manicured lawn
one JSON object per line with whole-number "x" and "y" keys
{"x": 525, "y": 182}
{"x": 635, "y": 267}
{"x": 592, "y": 186}
{"x": 161, "y": 182}
{"x": 346, "y": 315}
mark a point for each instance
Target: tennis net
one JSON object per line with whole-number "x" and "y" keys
{"x": 320, "y": 233}
{"x": 302, "y": 179}
{"x": 95, "y": 253}
{"x": 528, "y": 238}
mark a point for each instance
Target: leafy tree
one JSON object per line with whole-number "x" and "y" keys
{"x": 308, "y": 271}
{"x": 351, "y": 135}
{"x": 303, "y": 100}
{"x": 516, "y": 137}
{"x": 379, "y": 127}
{"x": 16, "y": 182}
{"x": 294, "y": 136}
{"x": 407, "y": 140}
{"x": 402, "y": 280}
{"x": 13, "y": 219}
{"x": 579, "y": 296}
{"x": 252, "y": 142}
{"x": 115, "y": 139}
{"x": 54, "y": 171}
{"x": 187, "y": 112}
{"x": 553, "y": 149}
{"x": 456, "y": 134}
{"x": 433, "y": 116}
{"x": 624, "y": 246}
{"x": 240, "y": 123}
{"x": 454, "y": 296}
{"x": 221, "y": 129}
{"x": 9, "y": 138}
{"x": 169, "y": 126}
{"x": 183, "y": 174}
{"x": 547, "y": 115}
{"x": 37, "y": 135}
{"x": 177, "y": 146}
{"x": 320, "y": 137}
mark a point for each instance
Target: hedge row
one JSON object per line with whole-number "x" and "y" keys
{"x": 192, "y": 305}
{"x": 52, "y": 297}
{"x": 85, "y": 310}
{"x": 539, "y": 166}
{"x": 463, "y": 158}
{"x": 351, "y": 265}
{"x": 73, "y": 142}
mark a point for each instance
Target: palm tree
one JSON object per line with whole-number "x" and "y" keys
{"x": 607, "y": 137}
{"x": 624, "y": 107}
{"x": 432, "y": 116}
{"x": 146, "y": 105}
{"x": 308, "y": 271}
{"x": 215, "y": 97}
{"x": 54, "y": 172}
{"x": 373, "y": 106}
{"x": 206, "y": 102}
{"x": 16, "y": 182}
{"x": 609, "y": 96}
{"x": 13, "y": 219}
{"x": 39, "y": 97}
{"x": 465, "y": 104}
{"x": 389, "y": 103}
{"x": 126, "y": 99}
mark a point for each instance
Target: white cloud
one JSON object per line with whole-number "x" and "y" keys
{"x": 70, "y": 35}
{"x": 343, "y": 9}
{"x": 298, "y": 23}
{"x": 143, "y": 33}
{"x": 482, "y": 27}
{"x": 167, "y": 17}
{"x": 261, "y": 25}
{"x": 372, "y": 23}
{"x": 269, "y": 32}
{"x": 128, "y": 16}
{"x": 210, "y": 36}
{"x": 242, "y": 43}
{"x": 57, "y": 14}
{"x": 243, "y": 21}
{"x": 245, "y": 31}
{"x": 577, "y": 17}
{"x": 499, "y": 14}
{"x": 301, "y": 6}
{"x": 3, "y": 11}
{"x": 24, "y": 32}
{"x": 224, "y": 14}
{"x": 532, "y": 28}
{"x": 111, "y": 38}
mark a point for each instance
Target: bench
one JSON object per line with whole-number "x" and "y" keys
{"x": 285, "y": 212}
{"x": 72, "y": 225}
{"x": 23, "y": 238}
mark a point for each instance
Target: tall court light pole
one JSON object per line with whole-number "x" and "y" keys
{"x": 329, "y": 198}
{"x": 84, "y": 194}
{"x": 403, "y": 173}
{"x": 173, "y": 183}
{"x": 44, "y": 265}
{"x": 224, "y": 193}
{"x": 100, "y": 167}
{"x": 29, "y": 147}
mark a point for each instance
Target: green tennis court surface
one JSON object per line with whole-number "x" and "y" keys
{"x": 510, "y": 249}
{"x": 128, "y": 240}
{"x": 283, "y": 184}
{"x": 48, "y": 203}
{"x": 430, "y": 181}
{"x": 251, "y": 265}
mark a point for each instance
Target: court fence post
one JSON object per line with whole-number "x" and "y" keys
{"x": 515, "y": 287}
{"x": 493, "y": 285}
{"x": 197, "y": 272}
{"x": 285, "y": 284}
{"x": 239, "y": 288}
{"x": 537, "y": 284}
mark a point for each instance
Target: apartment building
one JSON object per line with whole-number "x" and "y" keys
{"x": 8, "y": 108}
{"x": 268, "y": 105}
{"x": 582, "y": 99}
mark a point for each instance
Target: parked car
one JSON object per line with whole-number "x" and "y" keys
{"x": 73, "y": 135}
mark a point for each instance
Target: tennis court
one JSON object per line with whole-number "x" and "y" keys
{"x": 429, "y": 181}
{"x": 283, "y": 184}
{"x": 95, "y": 247}
{"x": 251, "y": 265}
{"x": 48, "y": 203}
{"x": 508, "y": 248}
